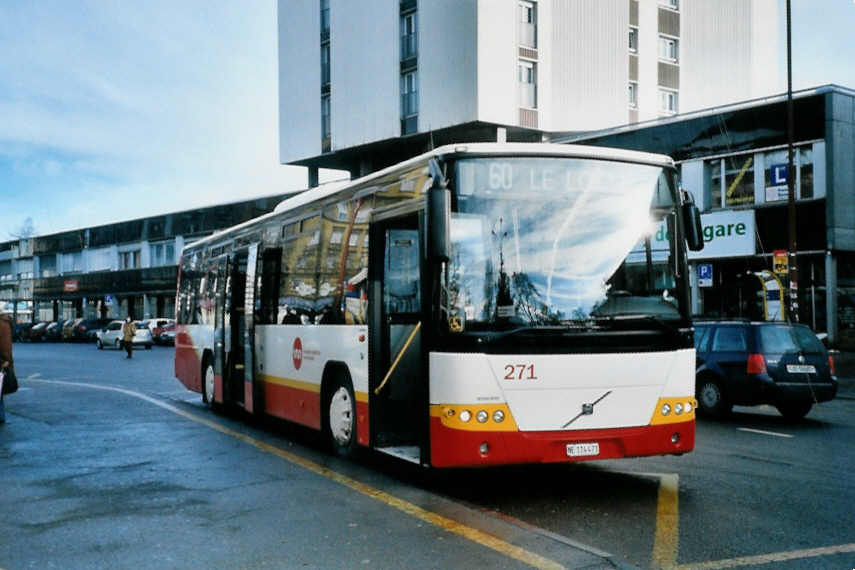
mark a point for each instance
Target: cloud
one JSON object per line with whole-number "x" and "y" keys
{"x": 116, "y": 110}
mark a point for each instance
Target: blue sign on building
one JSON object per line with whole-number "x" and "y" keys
{"x": 778, "y": 174}
{"x": 705, "y": 275}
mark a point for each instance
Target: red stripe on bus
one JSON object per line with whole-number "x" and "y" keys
{"x": 304, "y": 407}
{"x": 459, "y": 448}
{"x": 188, "y": 367}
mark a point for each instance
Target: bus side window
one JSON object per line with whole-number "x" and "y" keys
{"x": 267, "y": 297}
{"x": 401, "y": 292}
{"x": 299, "y": 272}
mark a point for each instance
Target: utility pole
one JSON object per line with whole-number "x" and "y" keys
{"x": 791, "y": 177}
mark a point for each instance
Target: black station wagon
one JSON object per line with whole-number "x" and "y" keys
{"x": 753, "y": 363}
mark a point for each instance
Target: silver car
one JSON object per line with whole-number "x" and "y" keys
{"x": 111, "y": 336}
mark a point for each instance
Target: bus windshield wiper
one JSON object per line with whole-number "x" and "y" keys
{"x": 554, "y": 330}
{"x": 630, "y": 317}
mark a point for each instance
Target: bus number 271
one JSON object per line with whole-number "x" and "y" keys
{"x": 520, "y": 372}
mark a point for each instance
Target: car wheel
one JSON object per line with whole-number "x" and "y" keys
{"x": 712, "y": 400}
{"x": 99, "y": 344}
{"x": 794, "y": 410}
{"x": 340, "y": 418}
{"x": 208, "y": 386}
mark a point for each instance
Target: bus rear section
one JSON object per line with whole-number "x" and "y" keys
{"x": 513, "y": 409}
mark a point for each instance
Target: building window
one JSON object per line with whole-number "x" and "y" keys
{"x": 669, "y": 49}
{"x": 409, "y": 44}
{"x": 409, "y": 94}
{"x": 129, "y": 259}
{"x": 667, "y": 102}
{"x": 161, "y": 254}
{"x": 528, "y": 84}
{"x": 672, "y": 4}
{"x": 739, "y": 180}
{"x": 633, "y": 95}
{"x": 804, "y": 160}
{"x": 633, "y": 39}
{"x": 325, "y": 117}
{"x": 776, "y": 167}
{"x": 528, "y": 24}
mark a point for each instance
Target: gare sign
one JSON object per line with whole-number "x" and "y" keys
{"x": 726, "y": 234}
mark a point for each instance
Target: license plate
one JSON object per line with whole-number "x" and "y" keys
{"x": 801, "y": 368}
{"x": 582, "y": 449}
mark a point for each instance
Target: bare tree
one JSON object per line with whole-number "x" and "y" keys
{"x": 25, "y": 230}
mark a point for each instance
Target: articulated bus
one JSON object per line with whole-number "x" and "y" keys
{"x": 480, "y": 304}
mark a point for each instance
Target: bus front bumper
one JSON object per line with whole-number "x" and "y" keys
{"x": 464, "y": 448}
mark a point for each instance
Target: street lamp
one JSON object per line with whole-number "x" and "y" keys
{"x": 791, "y": 174}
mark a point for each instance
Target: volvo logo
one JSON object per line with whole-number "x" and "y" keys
{"x": 587, "y": 409}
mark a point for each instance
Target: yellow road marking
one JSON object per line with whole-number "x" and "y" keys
{"x": 667, "y": 539}
{"x": 467, "y": 532}
{"x": 770, "y": 558}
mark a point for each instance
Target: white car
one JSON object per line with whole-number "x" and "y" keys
{"x": 111, "y": 335}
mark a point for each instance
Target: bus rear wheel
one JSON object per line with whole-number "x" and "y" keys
{"x": 208, "y": 385}
{"x": 341, "y": 418}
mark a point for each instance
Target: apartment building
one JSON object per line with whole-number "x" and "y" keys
{"x": 364, "y": 84}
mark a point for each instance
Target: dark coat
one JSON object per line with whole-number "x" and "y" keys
{"x": 10, "y": 382}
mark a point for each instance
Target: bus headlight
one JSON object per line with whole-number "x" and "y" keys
{"x": 678, "y": 408}
{"x": 666, "y": 409}
{"x": 482, "y": 416}
{"x": 465, "y": 416}
{"x": 498, "y": 416}
{"x": 688, "y": 407}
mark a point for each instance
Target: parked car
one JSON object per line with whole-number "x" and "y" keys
{"x": 37, "y": 332}
{"x": 86, "y": 329}
{"x": 168, "y": 335}
{"x": 111, "y": 336}
{"x": 68, "y": 327}
{"x": 754, "y": 363}
{"x": 21, "y": 332}
{"x": 53, "y": 332}
{"x": 156, "y": 326}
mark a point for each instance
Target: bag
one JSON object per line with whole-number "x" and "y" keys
{"x": 8, "y": 381}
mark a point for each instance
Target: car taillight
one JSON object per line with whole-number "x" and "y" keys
{"x": 831, "y": 365}
{"x": 756, "y": 364}
{"x": 83, "y": 328}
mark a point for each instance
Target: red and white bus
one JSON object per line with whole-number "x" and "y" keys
{"x": 480, "y": 304}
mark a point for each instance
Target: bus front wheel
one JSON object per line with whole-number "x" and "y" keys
{"x": 341, "y": 418}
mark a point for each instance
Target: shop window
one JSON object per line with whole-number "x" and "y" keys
{"x": 739, "y": 180}
{"x": 805, "y": 162}
{"x": 714, "y": 167}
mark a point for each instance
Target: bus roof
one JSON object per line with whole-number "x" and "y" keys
{"x": 458, "y": 149}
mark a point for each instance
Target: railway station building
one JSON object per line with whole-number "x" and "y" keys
{"x": 114, "y": 270}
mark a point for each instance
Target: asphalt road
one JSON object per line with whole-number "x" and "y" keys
{"x": 141, "y": 475}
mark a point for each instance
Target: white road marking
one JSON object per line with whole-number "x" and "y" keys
{"x": 762, "y": 432}
{"x": 771, "y": 558}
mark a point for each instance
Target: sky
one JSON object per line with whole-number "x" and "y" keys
{"x": 113, "y": 110}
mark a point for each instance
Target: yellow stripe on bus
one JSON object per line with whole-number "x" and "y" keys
{"x": 305, "y": 386}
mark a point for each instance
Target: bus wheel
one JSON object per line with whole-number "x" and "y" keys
{"x": 341, "y": 418}
{"x": 208, "y": 385}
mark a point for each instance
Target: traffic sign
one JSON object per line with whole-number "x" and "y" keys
{"x": 705, "y": 275}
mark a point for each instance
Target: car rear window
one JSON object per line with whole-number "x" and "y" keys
{"x": 785, "y": 338}
{"x": 808, "y": 341}
{"x": 729, "y": 339}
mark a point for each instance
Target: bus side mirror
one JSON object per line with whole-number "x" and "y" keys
{"x": 692, "y": 224}
{"x": 438, "y": 214}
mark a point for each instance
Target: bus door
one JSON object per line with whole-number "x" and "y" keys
{"x": 234, "y": 325}
{"x": 248, "y": 338}
{"x": 398, "y": 404}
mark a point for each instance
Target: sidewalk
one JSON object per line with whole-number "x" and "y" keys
{"x": 844, "y": 365}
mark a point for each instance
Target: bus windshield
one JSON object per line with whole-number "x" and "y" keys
{"x": 552, "y": 241}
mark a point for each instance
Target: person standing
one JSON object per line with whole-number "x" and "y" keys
{"x": 128, "y": 332}
{"x": 7, "y": 366}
